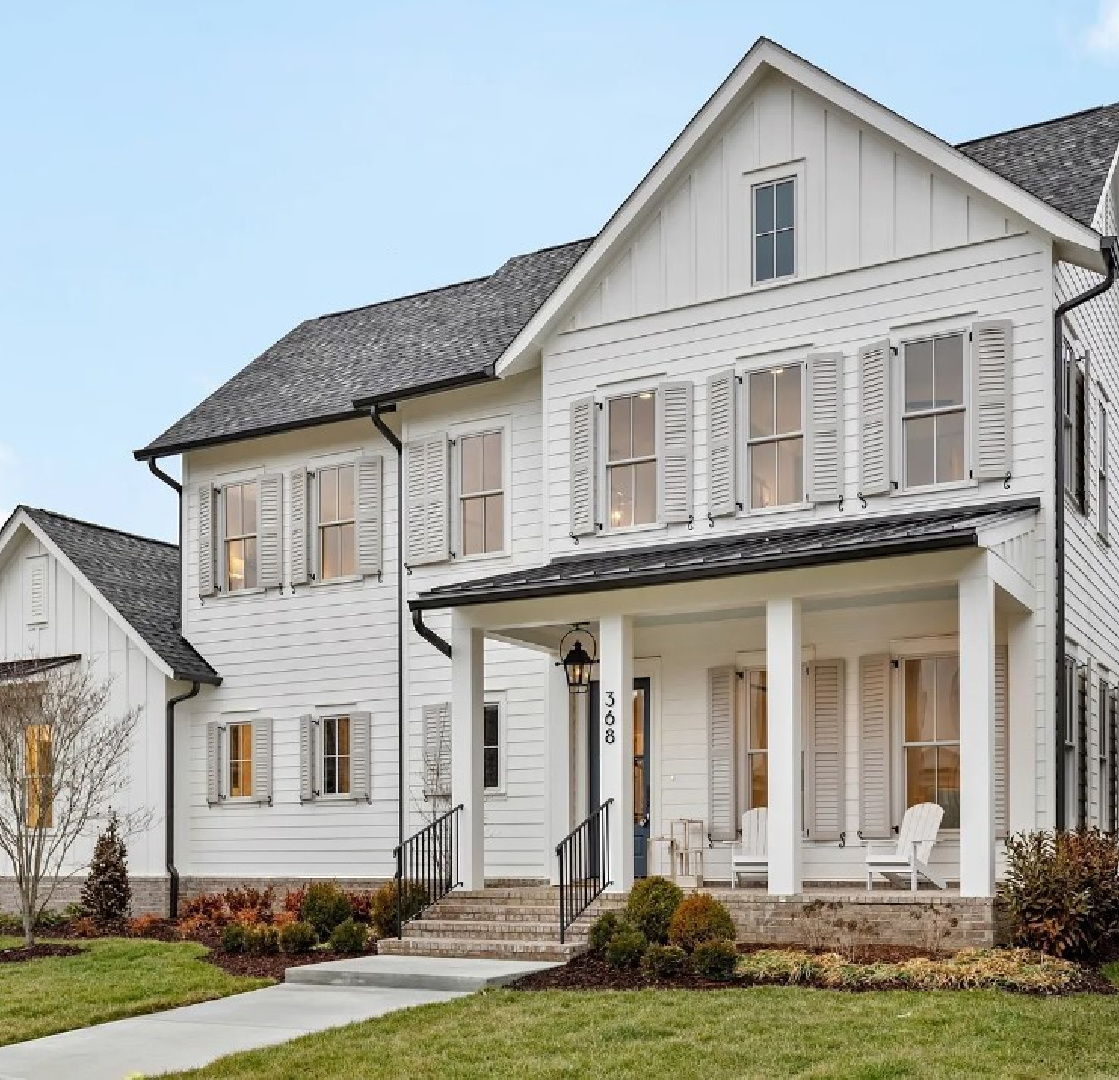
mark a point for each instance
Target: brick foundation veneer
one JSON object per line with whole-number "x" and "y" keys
{"x": 149, "y": 895}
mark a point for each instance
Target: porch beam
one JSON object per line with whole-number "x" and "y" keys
{"x": 783, "y": 681}
{"x": 468, "y": 666}
{"x": 977, "y": 732}
{"x": 615, "y": 735}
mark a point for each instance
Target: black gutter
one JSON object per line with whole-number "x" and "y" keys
{"x": 1109, "y": 246}
{"x": 393, "y": 440}
{"x": 169, "y": 841}
{"x": 454, "y": 382}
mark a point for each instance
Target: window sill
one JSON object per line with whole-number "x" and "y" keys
{"x": 225, "y": 594}
{"x": 239, "y": 802}
{"x": 773, "y": 283}
{"x": 332, "y": 800}
{"x": 481, "y": 556}
{"x": 932, "y": 489}
{"x": 495, "y": 793}
{"x": 323, "y": 583}
{"x": 766, "y": 511}
{"x": 629, "y": 530}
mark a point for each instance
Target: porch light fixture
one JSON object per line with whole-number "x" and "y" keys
{"x": 576, "y": 661}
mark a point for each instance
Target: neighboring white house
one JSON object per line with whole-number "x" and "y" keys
{"x": 781, "y": 436}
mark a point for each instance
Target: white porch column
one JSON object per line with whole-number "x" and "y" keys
{"x": 468, "y": 668}
{"x": 977, "y": 733}
{"x": 615, "y": 738}
{"x": 557, "y": 718}
{"x": 784, "y": 681}
{"x": 1021, "y": 723}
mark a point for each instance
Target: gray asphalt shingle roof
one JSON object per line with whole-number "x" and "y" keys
{"x": 1064, "y": 162}
{"x": 393, "y": 348}
{"x": 818, "y": 544}
{"x": 139, "y": 577}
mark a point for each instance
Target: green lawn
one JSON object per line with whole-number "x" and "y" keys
{"x": 707, "y": 1035}
{"x": 114, "y": 977}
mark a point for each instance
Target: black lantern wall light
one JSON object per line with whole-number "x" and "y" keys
{"x": 578, "y": 654}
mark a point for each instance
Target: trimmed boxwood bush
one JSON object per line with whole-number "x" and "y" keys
{"x": 663, "y": 961}
{"x": 715, "y": 959}
{"x": 262, "y": 940}
{"x": 698, "y": 919}
{"x": 324, "y": 907}
{"x": 297, "y": 938}
{"x": 626, "y": 947}
{"x": 348, "y": 937}
{"x": 233, "y": 938}
{"x": 603, "y": 930}
{"x": 651, "y": 905}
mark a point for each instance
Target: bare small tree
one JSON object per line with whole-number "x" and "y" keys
{"x": 62, "y": 760}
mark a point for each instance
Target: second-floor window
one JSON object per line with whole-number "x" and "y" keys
{"x": 239, "y": 518}
{"x": 481, "y": 493}
{"x": 631, "y": 461}
{"x": 336, "y": 522}
{"x": 1074, "y": 429}
{"x": 775, "y": 439}
{"x": 934, "y": 412}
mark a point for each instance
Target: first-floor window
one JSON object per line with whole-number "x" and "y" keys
{"x": 239, "y": 523}
{"x": 38, "y": 770}
{"x": 1101, "y": 727}
{"x": 631, "y": 459}
{"x": 491, "y": 745}
{"x": 757, "y": 740}
{"x": 1101, "y": 490}
{"x": 336, "y": 755}
{"x": 240, "y": 761}
{"x": 931, "y": 696}
{"x": 1069, "y": 763}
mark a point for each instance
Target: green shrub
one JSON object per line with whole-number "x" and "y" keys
{"x": 626, "y": 947}
{"x": 106, "y": 893}
{"x": 651, "y": 905}
{"x": 1062, "y": 893}
{"x": 297, "y": 938}
{"x": 348, "y": 937}
{"x": 324, "y": 907}
{"x": 382, "y": 906}
{"x": 261, "y": 940}
{"x": 603, "y": 930}
{"x": 715, "y": 959}
{"x": 233, "y": 938}
{"x": 663, "y": 961}
{"x": 698, "y": 919}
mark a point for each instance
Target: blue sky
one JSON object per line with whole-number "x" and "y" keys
{"x": 182, "y": 183}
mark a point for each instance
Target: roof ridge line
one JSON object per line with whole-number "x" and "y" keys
{"x": 404, "y": 296}
{"x": 32, "y": 510}
{"x": 1038, "y": 124}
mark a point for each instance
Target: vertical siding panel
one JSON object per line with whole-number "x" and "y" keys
{"x": 949, "y": 213}
{"x": 842, "y": 227}
{"x": 740, "y": 156}
{"x": 775, "y": 122}
{"x": 711, "y": 226}
{"x": 912, "y": 209}
{"x": 679, "y": 247}
{"x": 617, "y": 290}
{"x": 648, "y": 269}
{"x": 876, "y": 214}
{"x": 808, "y": 143}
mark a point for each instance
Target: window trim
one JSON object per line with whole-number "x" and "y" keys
{"x": 227, "y": 763}
{"x": 319, "y": 758}
{"x": 1077, "y": 445}
{"x": 603, "y": 399}
{"x": 794, "y": 170}
{"x": 502, "y": 424}
{"x": 757, "y": 366}
{"x": 496, "y": 700}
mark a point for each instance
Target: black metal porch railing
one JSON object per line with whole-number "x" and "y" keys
{"x": 584, "y": 866}
{"x": 427, "y": 867}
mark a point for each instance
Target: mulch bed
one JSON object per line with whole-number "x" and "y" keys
{"x": 270, "y": 967}
{"x": 36, "y": 952}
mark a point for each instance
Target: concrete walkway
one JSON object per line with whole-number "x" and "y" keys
{"x": 316, "y": 997}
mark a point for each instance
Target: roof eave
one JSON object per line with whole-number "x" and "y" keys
{"x": 455, "y": 382}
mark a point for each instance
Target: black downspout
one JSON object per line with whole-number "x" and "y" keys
{"x": 429, "y": 635}
{"x": 394, "y": 441}
{"x": 169, "y": 843}
{"x": 1108, "y": 245}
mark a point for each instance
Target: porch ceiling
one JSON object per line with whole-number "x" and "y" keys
{"x": 819, "y": 544}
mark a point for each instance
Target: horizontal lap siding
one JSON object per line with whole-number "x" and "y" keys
{"x": 335, "y": 645}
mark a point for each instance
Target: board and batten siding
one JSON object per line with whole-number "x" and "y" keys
{"x": 331, "y": 647}
{"x": 76, "y": 623}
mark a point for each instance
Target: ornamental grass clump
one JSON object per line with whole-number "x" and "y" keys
{"x": 651, "y": 905}
{"x": 700, "y": 918}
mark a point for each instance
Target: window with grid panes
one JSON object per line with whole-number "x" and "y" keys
{"x": 481, "y": 493}
{"x": 931, "y": 740}
{"x": 775, "y": 436}
{"x": 239, "y": 517}
{"x": 934, "y": 412}
{"x": 631, "y": 462}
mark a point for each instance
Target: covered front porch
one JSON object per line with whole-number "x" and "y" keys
{"x": 833, "y": 675}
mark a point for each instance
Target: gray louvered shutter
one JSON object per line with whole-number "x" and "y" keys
{"x": 721, "y": 780}
{"x": 825, "y": 815}
{"x": 367, "y": 511}
{"x": 414, "y": 517}
{"x": 1001, "y": 746}
{"x": 426, "y": 466}
{"x": 437, "y": 750}
{"x": 300, "y": 535}
{"x": 214, "y": 732}
{"x": 360, "y": 756}
{"x": 824, "y": 428}
{"x": 990, "y": 398}
{"x": 307, "y": 788}
{"x": 262, "y": 760}
{"x": 875, "y": 430}
{"x": 584, "y": 466}
{"x": 875, "y": 818}
{"x": 207, "y": 585}
{"x": 270, "y": 531}
{"x": 722, "y": 444}
{"x": 674, "y": 452}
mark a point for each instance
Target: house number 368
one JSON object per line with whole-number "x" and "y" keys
{"x": 609, "y": 720}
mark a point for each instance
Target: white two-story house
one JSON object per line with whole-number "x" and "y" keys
{"x": 780, "y": 444}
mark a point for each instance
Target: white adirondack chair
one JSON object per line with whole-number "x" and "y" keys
{"x": 751, "y": 854}
{"x": 909, "y": 857}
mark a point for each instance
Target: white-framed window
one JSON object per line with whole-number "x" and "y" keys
{"x": 481, "y": 522}
{"x": 336, "y": 522}
{"x": 934, "y": 410}
{"x": 1102, "y": 503}
{"x": 1074, "y": 427}
{"x": 930, "y": 692}
{"x": 631, "y": 459}
{"x": 239, "y": 535}
{"x": 775, "y": 436}
{"x": 493, "y": 744}
{"x": 38, "y": 776}
{"x": 1102, "y": 742}
{"x": 774, "y": 229}
{"x": 239, "y": 760}
{"x": 1071, "y": 740}
{"x": 335, "y": 755}
{"x": 756, "y": 739}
